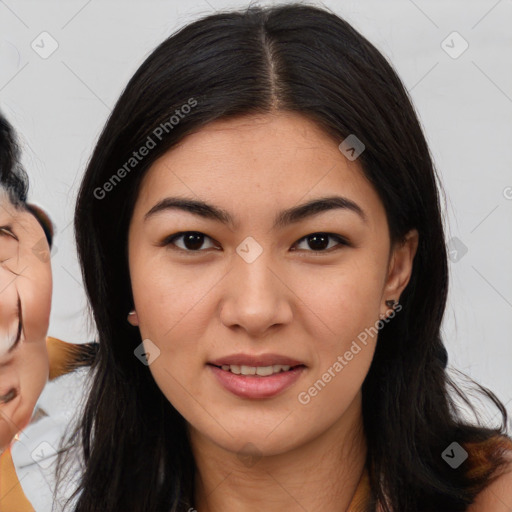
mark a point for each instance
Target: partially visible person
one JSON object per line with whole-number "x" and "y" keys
{"x": 28, "y": 357}
{"x": 25, "y": 293}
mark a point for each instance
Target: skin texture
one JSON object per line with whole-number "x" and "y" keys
{"x": 25, "y": 271}
{"x": 291, "y": 300}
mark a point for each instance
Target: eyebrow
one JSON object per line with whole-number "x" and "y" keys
{"x": 283, "y": 218}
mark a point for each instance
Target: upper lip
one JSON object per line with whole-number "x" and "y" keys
{"x": 256, "y": 360}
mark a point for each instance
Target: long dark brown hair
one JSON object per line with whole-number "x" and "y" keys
{"x": 305, "y": 59}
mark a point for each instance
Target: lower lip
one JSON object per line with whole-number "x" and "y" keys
{"x": 254, "y": 386}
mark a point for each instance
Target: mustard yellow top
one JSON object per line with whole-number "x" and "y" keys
{"x": 12, "y": 497}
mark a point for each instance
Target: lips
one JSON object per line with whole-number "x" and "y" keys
{"x": 256, "y": 387}
{"x": 256, "y": 360}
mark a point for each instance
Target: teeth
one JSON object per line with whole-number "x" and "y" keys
{"x": 263, "y": 371}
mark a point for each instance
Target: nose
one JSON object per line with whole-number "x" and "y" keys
{"x": 255, "y": 296}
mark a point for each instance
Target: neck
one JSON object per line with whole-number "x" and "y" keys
{"x": 319, "y": 474}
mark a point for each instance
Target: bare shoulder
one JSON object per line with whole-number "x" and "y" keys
{"x": 497, "y": 497}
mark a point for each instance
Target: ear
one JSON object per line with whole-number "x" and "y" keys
{"x": 400, "y": 269}
{"x": 133, "y": 319}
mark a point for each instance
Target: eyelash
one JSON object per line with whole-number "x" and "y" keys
{"x": 11, "y": 395}
{"x": 172, "y": 238}
{"x": 8, "y": 232}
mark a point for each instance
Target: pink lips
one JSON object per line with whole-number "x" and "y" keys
{"x": 256, "y": 386}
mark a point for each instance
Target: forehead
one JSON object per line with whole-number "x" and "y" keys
{"x": 258, "y": 161}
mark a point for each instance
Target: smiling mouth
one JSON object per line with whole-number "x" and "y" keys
{"x": 257, "y": 371}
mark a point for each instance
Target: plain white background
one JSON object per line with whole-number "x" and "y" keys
{"x": 60, "y": 103}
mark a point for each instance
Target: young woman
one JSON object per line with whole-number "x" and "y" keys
{"x": 28, "y": 358}
{"x": 260, "y": 236}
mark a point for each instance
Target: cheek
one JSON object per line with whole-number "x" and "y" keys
{"x": 168, "y": 302}
{"x": 343, "y": 300}
{"x": 342, "y": 311}
{"x": 36, "y": 296}
{"x": 33, "y": 375}
{"x": 170, "y": 299}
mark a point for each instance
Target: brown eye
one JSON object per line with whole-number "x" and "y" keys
{"x": 192, "y": 241}
{"x": 318, "y": 242}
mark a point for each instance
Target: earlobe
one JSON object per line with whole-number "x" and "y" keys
{"x": 400, "y": 267}
{"x": 133, "y": 319}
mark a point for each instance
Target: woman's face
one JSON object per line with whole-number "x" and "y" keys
{"x": 264, "y": 285}
{"x": 25, "y": 301}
